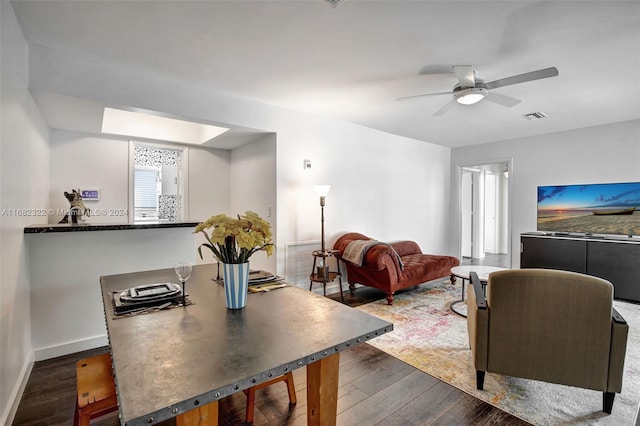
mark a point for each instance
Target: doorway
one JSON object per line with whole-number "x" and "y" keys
{"x": 484, "y": 208}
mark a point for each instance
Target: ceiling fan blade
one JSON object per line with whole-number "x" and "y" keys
{"x": 445, "y": 108}
{"x": 465, "y": 75}
{"x": 504, "y": 100}
{"x": 424, "y": 94}
{"x": 522, "y": 78}
{"x": 436, "y": 69}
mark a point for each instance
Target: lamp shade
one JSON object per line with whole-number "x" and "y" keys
{"x": 322, "y": 190}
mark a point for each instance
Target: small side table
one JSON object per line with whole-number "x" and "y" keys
{"x": 315, "y": 277}
{"x": 463, "y": 272}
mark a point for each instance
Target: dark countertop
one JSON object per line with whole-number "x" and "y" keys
{"x": 635, "y": 239}
{"x": 66, "y": 227}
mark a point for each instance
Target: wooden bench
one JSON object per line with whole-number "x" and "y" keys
{"x": 96, "y": 389}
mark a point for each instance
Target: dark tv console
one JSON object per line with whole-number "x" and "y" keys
{"x": 616, "y": 259}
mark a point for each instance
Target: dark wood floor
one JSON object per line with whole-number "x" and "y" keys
{"x": 374, "y": 389}
{"x": 489, "y": 259}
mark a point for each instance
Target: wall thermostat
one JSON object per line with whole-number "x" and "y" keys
{"x": 90, "y": 194}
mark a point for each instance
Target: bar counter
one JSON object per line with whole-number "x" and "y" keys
{"x": 65, "y": 265}
{"x": 80, "y": 227}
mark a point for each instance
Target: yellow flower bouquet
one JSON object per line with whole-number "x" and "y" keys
{"x": 235, "y": 240}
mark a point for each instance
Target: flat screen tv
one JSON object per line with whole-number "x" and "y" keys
{"x": 603, "y": 208}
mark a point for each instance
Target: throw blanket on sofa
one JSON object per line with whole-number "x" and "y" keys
{"x": 356, "y": 250}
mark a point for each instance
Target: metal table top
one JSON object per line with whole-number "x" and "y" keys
{"x": 171, "y": 361}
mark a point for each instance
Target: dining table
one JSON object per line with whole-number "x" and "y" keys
{"x": 179, "y": 361}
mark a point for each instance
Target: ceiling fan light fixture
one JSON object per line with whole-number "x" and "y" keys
{"x": 470, "y": 96}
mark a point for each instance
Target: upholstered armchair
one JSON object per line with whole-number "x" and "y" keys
{"x": 548, "y": 325}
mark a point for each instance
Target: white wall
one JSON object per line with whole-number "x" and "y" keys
{"x": 253, "y": 187}
{"x": 209, "y": 191}
{"x": 74, "y": 262}
{"x": 386, "y": 186}
{"x": 66, "y": 300}
{"x": 24, "y": 183}
{"x": 79, "y": 159}
{"x": 599, "y": 154}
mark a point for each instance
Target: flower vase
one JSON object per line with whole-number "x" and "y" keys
{"x": 236, "y": 284}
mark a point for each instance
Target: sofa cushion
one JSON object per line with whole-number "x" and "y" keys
{"x": 426, "y": 267}
{"x": 404, "y": 248}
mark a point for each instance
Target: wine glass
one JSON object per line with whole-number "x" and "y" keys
{"x": 183, "y": 272}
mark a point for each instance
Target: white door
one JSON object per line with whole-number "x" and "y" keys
{"x": 484, "y": 212}
{"x": 490, "y": 212}
{"x": 466, "y": 204}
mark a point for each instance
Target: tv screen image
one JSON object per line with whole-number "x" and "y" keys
{"x": 603, "y": 208}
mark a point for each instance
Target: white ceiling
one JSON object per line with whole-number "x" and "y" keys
{"x": 353, "y": 61}
{"x": 84, "y": 115}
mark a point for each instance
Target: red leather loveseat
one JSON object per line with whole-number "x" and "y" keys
{"x": 394, "y": 266}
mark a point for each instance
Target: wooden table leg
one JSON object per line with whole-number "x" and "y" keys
{"x": 322, "y": 391}
{"x": 206, "y": 415}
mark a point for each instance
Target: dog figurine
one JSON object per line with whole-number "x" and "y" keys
{"x": 77, "y": 209}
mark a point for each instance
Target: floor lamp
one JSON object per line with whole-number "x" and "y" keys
{"x": 322, "y": 191}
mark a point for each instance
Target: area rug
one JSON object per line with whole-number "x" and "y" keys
{"x": 430, "y": 337}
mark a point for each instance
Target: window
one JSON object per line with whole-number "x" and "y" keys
{"x": 146, "y": 192}
{"x": 158, "y": 180}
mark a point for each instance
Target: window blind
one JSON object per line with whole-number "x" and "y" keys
{"x": 146, "y": 189}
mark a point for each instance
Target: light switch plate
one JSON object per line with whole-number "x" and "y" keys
{"x": 90, "y": 194}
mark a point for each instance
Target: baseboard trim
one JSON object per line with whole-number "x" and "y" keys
{"x": 16, "y": 395}
{"x": 54, "y": 351}
{"x": 41, "y": 354}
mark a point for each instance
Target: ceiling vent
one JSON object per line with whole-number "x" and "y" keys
{"x": 535, "y": 115}
{"x": 334, "y": 3}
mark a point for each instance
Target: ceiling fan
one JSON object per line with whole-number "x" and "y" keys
{"x": 470, "y": 90}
